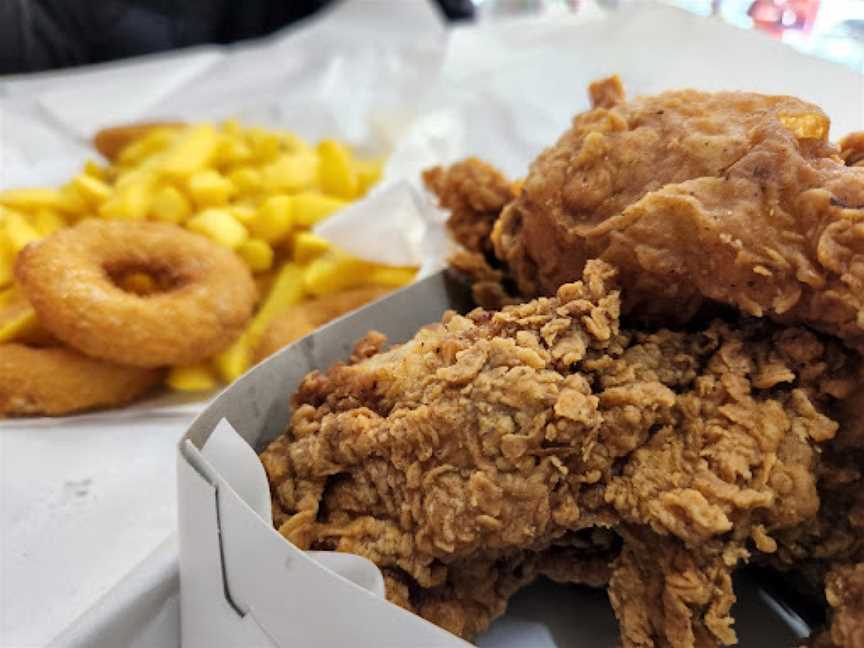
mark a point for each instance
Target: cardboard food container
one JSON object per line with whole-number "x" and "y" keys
{"x": 243, "y": 584}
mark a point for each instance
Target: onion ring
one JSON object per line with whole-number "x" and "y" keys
{"x": 71, "y": 279}
{"x": 56, "y": 381}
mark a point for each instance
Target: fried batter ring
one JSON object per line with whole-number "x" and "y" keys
{"x": 55, "y": 381}
{"x": 206, "y": 292}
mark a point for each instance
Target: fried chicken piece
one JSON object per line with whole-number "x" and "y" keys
{"x": 474, "y": 594}
{"x": 832, "y": 540}
{"x": 584, "y": 557}
{"x": 606, "y": 93}
{"x": 733, "y": 197}
{"x": 658, "y": 583}
{"x": 477, "y": 590}
{"x": 836, "y": 534}
{"x": 845, "y": 592}
{"x": 499, "y": 435}
{"x": 487, "y": 283}
{"x": 303, "y": 318}
{"x": 852, "y": 149}
{"x": 475, "y": 193}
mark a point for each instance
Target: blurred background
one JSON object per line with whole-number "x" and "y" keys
{"x": 38, "y": 35}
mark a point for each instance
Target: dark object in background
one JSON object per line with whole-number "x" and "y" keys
{"x": 457, "y": 9}
{"x": 44, "y": 34}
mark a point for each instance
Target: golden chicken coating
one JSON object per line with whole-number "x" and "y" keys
{"x": 733, "y": 197}
{"x": 465, "y": 461}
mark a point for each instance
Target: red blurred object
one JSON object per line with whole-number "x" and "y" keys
{"x": 777, "y": 16}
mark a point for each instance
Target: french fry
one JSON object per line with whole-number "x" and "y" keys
{"x": 7, "y": 259}
{"x": 368, "y": 173}
{"x": 287, "y": 290}
{"x": 17, "y": 318}
{"x": 193, "y": 378}
{"x": 209, "y": 188}
{"x": 232, "y": 150}
{"x": 336, "y": 271}
{"x": 9, "y": 296}
{"x": 32, "y": 199}
{"x": 95, "y": 170}
{"x": 18, "y": 324}
{"x": 257, "y": 254}
{"x": 47, "y": 221}
{"x": 19, "y": 232}
{"x": 293, "y": 143}
{"x": 274, "y": 220}
{"x": 93, "y": 190}
{"x": 139, "y": 283}
{"x": 337, "y": 174}
{"x": 311, "y": 207}
{"x": 72, "y": 203}
{"x": 243, "y": 213}
{"x": 290, "y": 173}
{"x": 246, "y": 180}
{"x": 170, "y": 205}
{"x": 333, "y": 272}
{"x": 150, "y": 143}
{"x": 132, "y": 197}
{"x": 235, "y": 360}
{"x": 309, "y": 246}
{"x": 192, "y": 151}
{"x": 219, "y": 225}
{"x": 394, "y": 276}
{"x": 265, "y": 145}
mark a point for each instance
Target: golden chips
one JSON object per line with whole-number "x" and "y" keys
{"x": 253, "y": 190}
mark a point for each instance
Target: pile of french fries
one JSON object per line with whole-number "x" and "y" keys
{"x": 256, "y": 191}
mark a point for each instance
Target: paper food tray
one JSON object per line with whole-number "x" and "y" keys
{"x": 242, "y": 584}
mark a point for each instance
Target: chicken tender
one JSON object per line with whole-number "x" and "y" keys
{"x": 493, "y": 447}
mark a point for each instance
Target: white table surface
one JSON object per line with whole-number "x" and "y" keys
{"x": 76, "y": 517}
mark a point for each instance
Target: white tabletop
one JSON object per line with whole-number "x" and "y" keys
{"x": 81, "y": 504}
